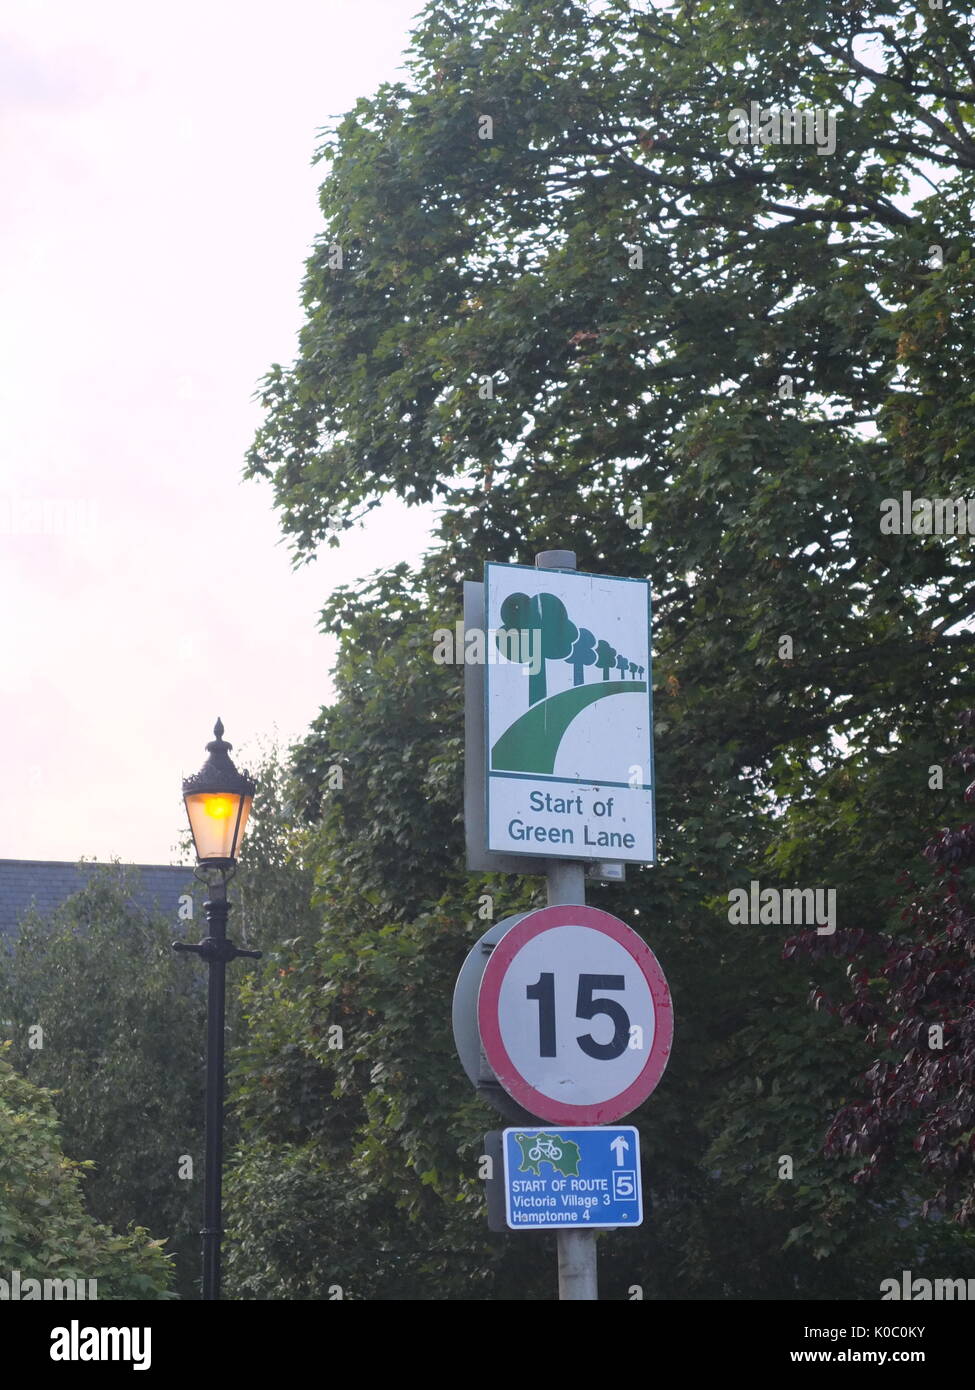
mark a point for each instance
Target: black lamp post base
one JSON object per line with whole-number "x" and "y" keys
{"x": 216, "y": 950}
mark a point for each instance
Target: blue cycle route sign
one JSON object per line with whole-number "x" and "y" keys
{"x": 572, "y": 1176}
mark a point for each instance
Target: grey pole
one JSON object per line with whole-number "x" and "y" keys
{"x": 566, "y": 885}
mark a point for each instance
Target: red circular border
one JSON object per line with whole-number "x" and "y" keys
{"x": 546, "y": 1107}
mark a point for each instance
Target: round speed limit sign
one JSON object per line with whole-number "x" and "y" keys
{"x": 575, "y": 1016}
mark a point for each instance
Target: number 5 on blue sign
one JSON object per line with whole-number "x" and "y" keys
{"x": 624, "y": 1184}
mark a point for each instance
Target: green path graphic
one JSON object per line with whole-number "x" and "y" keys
{"x": 531, "y": 743}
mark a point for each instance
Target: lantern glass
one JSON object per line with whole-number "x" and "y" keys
{"x": 217, "y": 820}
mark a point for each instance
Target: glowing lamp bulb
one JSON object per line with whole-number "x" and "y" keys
{"x": 218, "y": 801}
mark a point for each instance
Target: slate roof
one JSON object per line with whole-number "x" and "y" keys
{"x": 45, "y": 883}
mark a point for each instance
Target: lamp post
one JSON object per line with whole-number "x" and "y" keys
{"x": 218, "y": 801}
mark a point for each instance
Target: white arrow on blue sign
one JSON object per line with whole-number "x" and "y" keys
{"x": 572, "y": 1176}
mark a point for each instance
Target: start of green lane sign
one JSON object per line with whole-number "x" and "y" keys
{"x": 569, "y": 715}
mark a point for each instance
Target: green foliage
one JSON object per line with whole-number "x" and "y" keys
{"x": 271, "y": 892}
{"x": 375, "y": 1144}
{"x": 123, "y": 1023}
{"x": 45, "y": 1231}
{"x": 621, "y": 379}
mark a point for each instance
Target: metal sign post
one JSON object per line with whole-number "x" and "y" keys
{"x": 576, "y": 1249}
{"x": 566, "y": 883}
{"x": 561, "y": 1015}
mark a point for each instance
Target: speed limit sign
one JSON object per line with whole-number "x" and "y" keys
{"x": 575, "y": 1015}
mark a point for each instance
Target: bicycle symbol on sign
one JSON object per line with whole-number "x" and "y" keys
{"x": 545, "y": 1147}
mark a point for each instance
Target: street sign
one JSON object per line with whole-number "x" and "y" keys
{"x": 572, "y": 1177}
{"x": 568, "y": 717}
{"x": 575, "y": 1016}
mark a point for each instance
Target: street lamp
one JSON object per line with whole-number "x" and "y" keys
{"x": 218, "y": 801}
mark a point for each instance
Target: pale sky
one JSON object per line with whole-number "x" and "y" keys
{"x": 158, "y": 204}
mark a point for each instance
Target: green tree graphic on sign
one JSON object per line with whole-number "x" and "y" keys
{"x": 531, "y": 743}
{"x": 605, "y": 658}
{"x": 554, "y": 631}
{"x": 583, "y": 654}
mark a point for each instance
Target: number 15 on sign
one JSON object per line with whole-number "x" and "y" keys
{"x": 575, "y": 1016}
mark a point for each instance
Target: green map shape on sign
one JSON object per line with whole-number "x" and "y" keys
{"x": 536, "y": 1149}
{"x": 531, "y": 742}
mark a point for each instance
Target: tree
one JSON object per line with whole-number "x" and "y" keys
{"x": 123, "y": 1024}
{"x": 605, "y": 658}
{"x": 351, "y": 1143}
{"x": 553, "y": 633}
{"x": 358, "y": 1164}
{"x": 755, "y": 262}
{"x": 274, "y": 886}
{"x": 640, "y": 290}
{"x": 913, "y": 992}
{"x": 583, "y": 654}
{"x": 123, "y": 1030}
{"x": 45, "y": 1231}
{"x": 559, "y": 632}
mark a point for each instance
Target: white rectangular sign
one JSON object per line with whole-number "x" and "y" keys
{"x": 568, "y": 715}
